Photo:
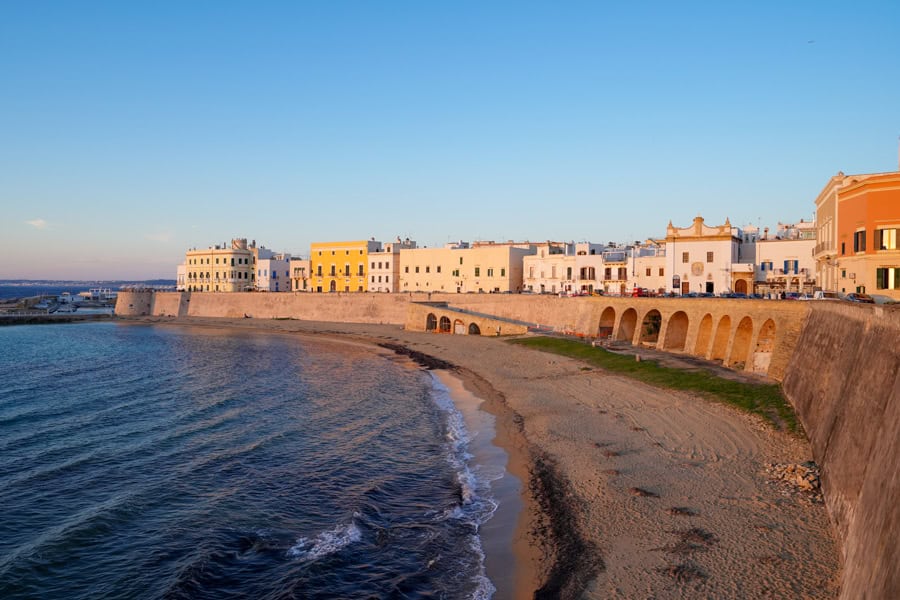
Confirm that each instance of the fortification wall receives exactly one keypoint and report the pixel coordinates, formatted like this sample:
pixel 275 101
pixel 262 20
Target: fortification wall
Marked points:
pixel 346 308
pixel 844 381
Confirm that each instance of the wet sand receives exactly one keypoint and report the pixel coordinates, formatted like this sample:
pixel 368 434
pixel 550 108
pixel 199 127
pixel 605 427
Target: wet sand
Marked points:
pixel 632 491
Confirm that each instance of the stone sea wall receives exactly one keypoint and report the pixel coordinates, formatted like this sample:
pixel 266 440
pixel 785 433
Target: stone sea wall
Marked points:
pixel 844 381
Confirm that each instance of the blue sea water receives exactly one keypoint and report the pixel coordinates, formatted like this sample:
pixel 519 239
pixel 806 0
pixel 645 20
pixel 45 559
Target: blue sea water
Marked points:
pixel 143 461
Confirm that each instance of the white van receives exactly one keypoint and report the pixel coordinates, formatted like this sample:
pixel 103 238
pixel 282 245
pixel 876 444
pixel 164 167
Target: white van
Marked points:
pixel 822 295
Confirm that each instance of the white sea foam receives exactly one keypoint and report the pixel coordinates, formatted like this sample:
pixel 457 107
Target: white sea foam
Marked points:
pixel 326 542
pixel 477 503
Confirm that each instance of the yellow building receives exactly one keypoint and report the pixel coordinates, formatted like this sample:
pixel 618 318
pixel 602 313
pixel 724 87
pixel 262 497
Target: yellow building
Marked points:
pixel 220 268
pixel 458 269
pixel 340 266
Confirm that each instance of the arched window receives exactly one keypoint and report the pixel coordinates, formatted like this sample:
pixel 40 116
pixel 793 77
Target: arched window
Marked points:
pixel 445 325
pixel 430 322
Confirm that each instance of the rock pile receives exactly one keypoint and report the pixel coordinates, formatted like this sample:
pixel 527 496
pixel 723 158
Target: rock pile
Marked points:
pixel 799 477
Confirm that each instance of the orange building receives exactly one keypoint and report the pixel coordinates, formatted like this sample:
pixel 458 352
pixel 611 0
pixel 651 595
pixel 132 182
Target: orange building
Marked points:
pixel 864 255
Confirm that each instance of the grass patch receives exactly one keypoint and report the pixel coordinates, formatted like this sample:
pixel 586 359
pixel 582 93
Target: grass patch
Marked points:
pixel 765 400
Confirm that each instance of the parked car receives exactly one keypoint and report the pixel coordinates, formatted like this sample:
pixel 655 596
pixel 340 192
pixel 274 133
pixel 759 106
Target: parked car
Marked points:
pixel 862 298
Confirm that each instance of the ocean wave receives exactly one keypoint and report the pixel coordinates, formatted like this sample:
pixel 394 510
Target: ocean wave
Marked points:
pixel 326 542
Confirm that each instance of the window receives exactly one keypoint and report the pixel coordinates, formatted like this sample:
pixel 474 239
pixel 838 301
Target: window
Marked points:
pixel 373 278
pixel 648 271
pixel 623 273
pixel 319 270
pixel 843 248
pixel 373 265
pixel 503 272
pixel 531 272
pixel 859 241
pixel 685 257
pixel 552 272
pixel 887 278
pixel 490 272
pixel 886 239
pixel 232 261
pixel 455 272
pixel 387 278
pixel 477 271
pixel 607 273
pixel 568 273
pixel 460 260
pixel 765 265
pixel 406 269
pixel 438 268
pixel 790 266
pixel 709 257
pixel 428 269
pixel 662 272
pixel 417 269
pixel 359 270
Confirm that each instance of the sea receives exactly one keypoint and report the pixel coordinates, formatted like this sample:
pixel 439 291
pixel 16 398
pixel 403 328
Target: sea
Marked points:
pixel 148 461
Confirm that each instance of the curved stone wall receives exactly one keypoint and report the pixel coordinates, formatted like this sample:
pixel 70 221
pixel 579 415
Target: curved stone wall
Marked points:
pixel 844 381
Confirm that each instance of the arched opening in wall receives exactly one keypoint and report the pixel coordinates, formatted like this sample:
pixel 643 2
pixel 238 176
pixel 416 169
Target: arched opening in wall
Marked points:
pixel 676 331
pixel 459 328
pixel 766 340
pixel 607 322
pixel 474 329
pixel 720 342
pixel 627 325
pixel 765 345
pixel 740 286
pixel 650 327
pixel 740 349
pixel 333 286
pixel 430 322
pixel 703 335
pixel 445 325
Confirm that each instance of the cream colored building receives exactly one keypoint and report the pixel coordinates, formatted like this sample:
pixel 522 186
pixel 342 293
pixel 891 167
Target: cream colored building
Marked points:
pixel 384 266
pixel 299 274
pixel 221 268
pixel 648 267
pixel 458 268
pixel 340 266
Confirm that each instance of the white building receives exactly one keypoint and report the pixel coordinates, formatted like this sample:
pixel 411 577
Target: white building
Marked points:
pixel 551 270
pixel 181 278
pixel 384 265
pixel 785 261
pixel 701 259
pixel 273 272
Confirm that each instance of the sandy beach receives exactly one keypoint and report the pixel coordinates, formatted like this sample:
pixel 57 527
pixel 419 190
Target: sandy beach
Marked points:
pixel 631 491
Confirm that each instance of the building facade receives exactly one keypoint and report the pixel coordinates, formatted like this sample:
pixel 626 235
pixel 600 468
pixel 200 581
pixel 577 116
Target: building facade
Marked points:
pixel 868 228
pixel 273 273
pixel 458 268
pixel 221 268
pixel 784 262
pixel 700 259
pixel 384 266
pixel 340 266
pixel 299 274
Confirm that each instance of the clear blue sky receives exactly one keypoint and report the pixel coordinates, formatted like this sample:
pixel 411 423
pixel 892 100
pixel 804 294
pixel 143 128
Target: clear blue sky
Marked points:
pixel 131 131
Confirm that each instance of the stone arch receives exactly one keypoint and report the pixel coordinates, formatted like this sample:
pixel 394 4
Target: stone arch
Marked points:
pixel 459 328
pixel 740 348
pixel 720 342
pixel 650 327
pixel 740 286
pixel 607 322
pixel 765 345
pixel 474 329
pixel 430 322
pixel 676 331
pixel 445 325
pixel 704 334
pixel 627 325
